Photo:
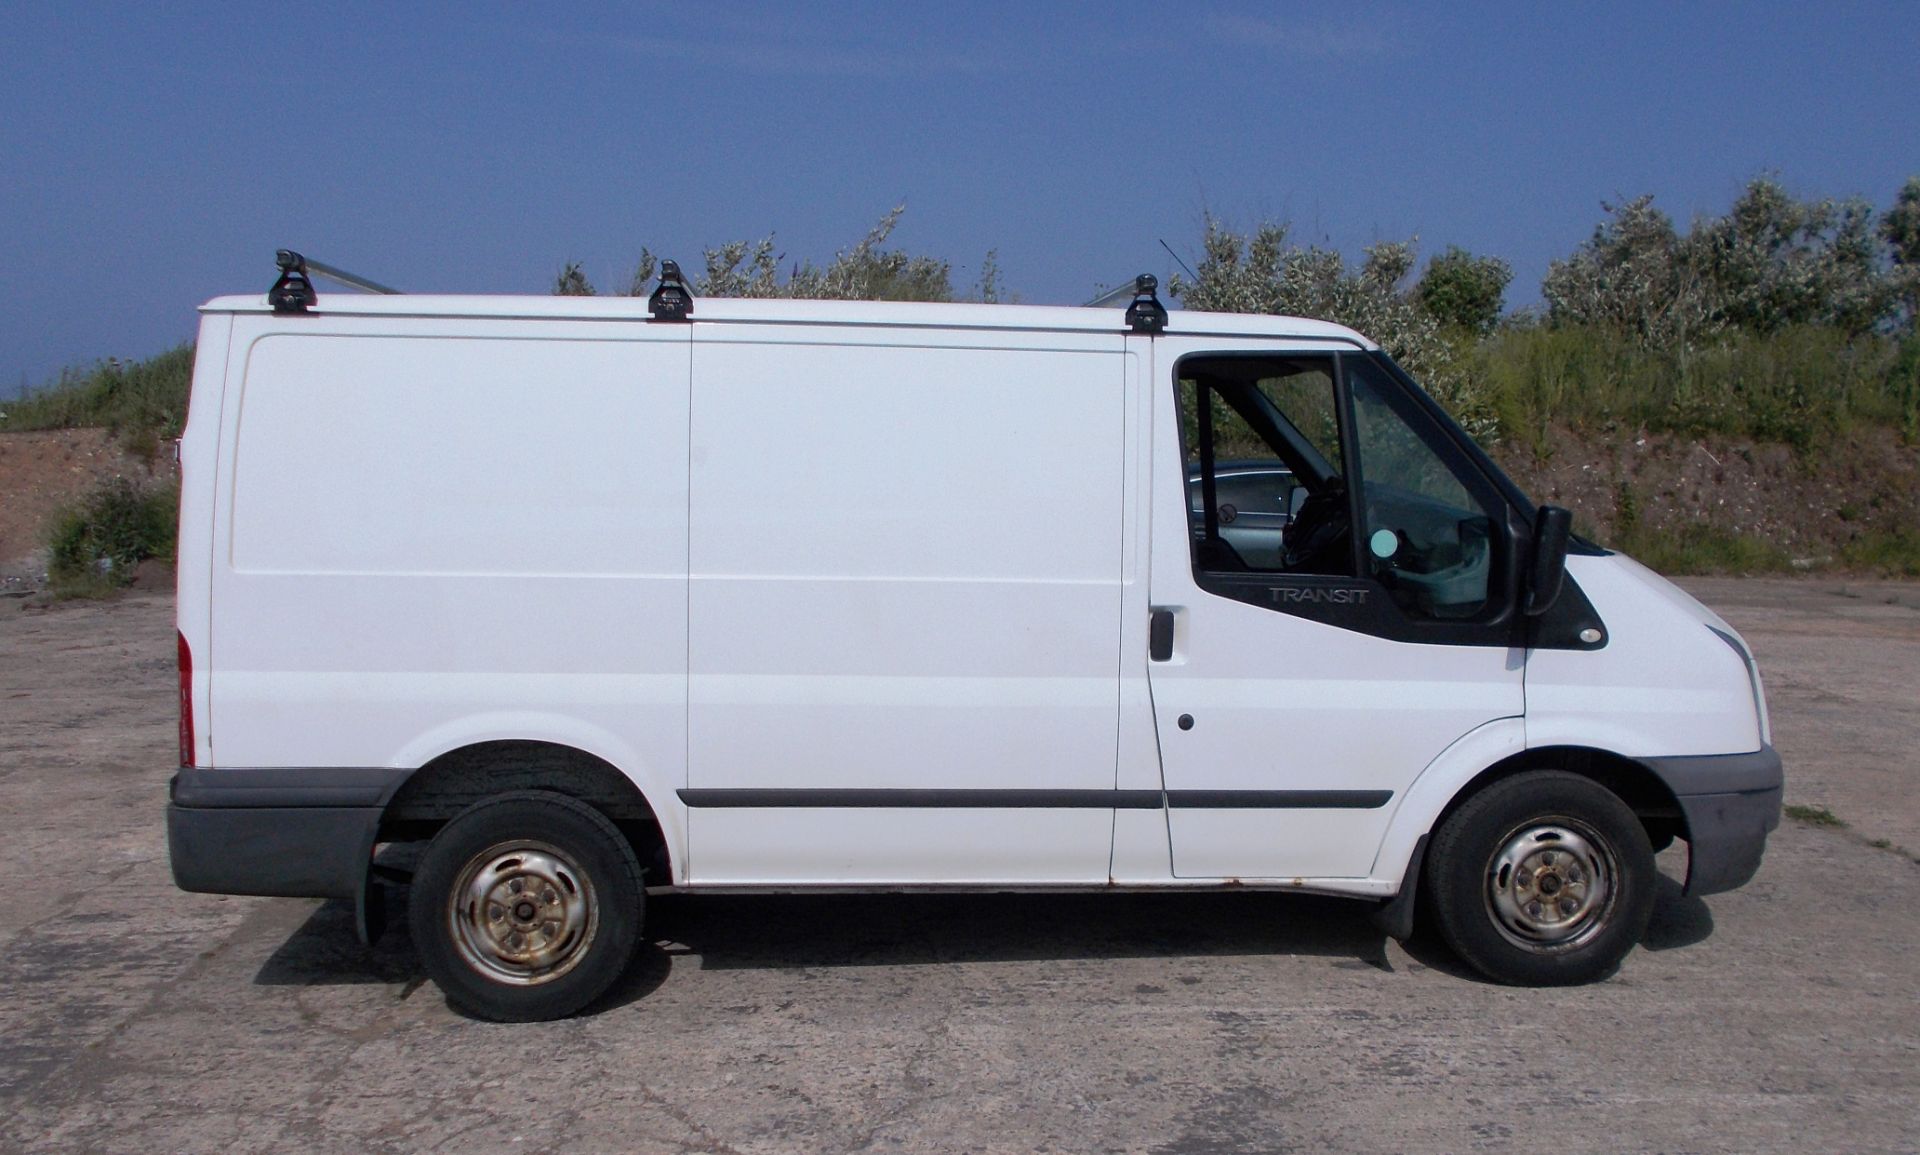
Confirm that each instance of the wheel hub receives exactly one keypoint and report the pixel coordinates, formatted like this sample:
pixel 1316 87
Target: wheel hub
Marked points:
pixel 522 913
pixel 1550 885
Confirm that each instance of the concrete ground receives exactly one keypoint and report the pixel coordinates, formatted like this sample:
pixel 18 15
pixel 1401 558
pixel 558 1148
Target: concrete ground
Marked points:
pixel 1782 1017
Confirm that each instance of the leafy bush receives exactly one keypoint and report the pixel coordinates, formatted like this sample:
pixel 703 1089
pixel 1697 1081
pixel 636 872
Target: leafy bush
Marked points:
pixel 1772 262
pixel 95 545
pixel 1463 291
pixel 1900 229
pixel 1635 275
pixel 866 272
pixel 572 282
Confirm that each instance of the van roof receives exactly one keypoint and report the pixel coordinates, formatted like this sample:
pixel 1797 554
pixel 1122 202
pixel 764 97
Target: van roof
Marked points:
pixel 879 313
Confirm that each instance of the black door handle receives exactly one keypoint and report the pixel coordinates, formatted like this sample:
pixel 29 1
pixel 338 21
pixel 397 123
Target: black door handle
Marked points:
pixel 1160 635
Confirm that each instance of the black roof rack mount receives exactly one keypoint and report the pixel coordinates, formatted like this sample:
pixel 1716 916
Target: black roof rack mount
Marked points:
pixel 293 292
pixel 1146 314
pixel 671 299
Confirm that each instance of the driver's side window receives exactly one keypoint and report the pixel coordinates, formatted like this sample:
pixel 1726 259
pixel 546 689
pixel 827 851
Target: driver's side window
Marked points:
pixel 1266 488
pixel 1278 488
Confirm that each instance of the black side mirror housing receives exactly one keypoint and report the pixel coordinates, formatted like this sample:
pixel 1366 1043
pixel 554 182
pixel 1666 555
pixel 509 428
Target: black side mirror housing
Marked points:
pixel 1547 568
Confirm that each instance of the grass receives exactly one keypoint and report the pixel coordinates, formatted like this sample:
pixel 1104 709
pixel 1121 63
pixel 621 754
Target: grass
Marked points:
pixel 1797 386
pixel 1701 549
pixel 1814 816
pixel 1894 553
pixel 142 402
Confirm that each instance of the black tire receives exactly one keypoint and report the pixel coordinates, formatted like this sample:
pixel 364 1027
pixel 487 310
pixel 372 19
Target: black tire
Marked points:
pixel 526 907
pixel 1542 879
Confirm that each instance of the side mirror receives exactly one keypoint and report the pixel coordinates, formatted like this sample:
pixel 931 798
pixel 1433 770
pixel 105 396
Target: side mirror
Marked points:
pixel 1547 568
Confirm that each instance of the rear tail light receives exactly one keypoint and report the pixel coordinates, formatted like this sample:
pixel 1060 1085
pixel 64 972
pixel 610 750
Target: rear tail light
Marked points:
pixel 186 701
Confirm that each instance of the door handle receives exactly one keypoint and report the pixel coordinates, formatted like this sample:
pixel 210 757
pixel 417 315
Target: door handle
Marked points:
pixel 1160 635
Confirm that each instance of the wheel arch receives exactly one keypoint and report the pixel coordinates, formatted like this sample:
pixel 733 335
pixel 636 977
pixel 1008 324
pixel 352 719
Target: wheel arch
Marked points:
pixel 1497 751
pixel 452 781
pixel 1632 781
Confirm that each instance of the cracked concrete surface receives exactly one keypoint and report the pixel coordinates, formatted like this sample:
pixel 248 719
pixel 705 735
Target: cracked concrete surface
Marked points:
pixel 1782 1017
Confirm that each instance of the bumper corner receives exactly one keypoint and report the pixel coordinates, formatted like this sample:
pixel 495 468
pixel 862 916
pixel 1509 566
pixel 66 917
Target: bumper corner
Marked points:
pixel 1730 803
pixel 278 833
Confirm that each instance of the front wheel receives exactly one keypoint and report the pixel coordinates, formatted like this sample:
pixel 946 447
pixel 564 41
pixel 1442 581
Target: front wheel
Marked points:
pixel 526 906
pixel 1542 879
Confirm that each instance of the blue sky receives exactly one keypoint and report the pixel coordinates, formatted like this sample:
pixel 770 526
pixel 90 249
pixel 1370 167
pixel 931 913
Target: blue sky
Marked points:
pixel 156 155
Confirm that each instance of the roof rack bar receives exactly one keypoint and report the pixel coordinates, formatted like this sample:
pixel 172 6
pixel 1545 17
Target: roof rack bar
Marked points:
pixel 289 261
pixel 293 292
pixel 1112 296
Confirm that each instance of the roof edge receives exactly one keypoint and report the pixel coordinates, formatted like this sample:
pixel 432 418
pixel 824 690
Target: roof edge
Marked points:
pixel 790 311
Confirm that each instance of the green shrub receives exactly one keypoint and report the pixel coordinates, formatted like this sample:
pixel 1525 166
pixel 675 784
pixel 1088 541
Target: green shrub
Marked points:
pixel 866 272
pixel 95 545
pixel 1772 262
pixel 1465 292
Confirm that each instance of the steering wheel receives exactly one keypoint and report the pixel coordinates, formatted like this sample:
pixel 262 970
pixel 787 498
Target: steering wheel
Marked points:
pixel 1319 529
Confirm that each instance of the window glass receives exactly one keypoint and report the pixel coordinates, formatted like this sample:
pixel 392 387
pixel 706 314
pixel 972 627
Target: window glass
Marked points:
pixel 1306 398
pixel 1429 540
pixel 1268 439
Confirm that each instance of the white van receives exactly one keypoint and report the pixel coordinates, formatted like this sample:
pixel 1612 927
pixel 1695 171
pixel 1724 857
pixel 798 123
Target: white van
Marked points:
pixel 602 597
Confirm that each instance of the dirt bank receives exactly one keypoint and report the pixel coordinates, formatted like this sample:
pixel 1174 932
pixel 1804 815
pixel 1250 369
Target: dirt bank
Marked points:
pixel 1809 504
pixel 42 471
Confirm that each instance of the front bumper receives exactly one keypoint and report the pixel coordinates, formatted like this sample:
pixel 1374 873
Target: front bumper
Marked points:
pixel 293 833
pixel 1730 802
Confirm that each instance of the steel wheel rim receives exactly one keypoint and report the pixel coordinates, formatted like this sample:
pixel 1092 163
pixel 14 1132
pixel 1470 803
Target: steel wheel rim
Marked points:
pixel 522 913
pixel 1551 885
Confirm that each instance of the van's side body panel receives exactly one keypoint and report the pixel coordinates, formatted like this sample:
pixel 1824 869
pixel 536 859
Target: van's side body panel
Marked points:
pixel 435 532
pixel 906 576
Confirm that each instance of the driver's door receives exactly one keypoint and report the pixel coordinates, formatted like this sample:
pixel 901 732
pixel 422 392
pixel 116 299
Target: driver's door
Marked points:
pixel 1304 690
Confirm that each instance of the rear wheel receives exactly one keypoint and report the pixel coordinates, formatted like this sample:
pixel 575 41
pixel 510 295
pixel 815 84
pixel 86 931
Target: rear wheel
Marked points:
pixel 526 906
pixel 1542 879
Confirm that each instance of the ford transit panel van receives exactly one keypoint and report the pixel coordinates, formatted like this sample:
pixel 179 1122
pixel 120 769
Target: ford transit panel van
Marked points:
pixel 599 597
